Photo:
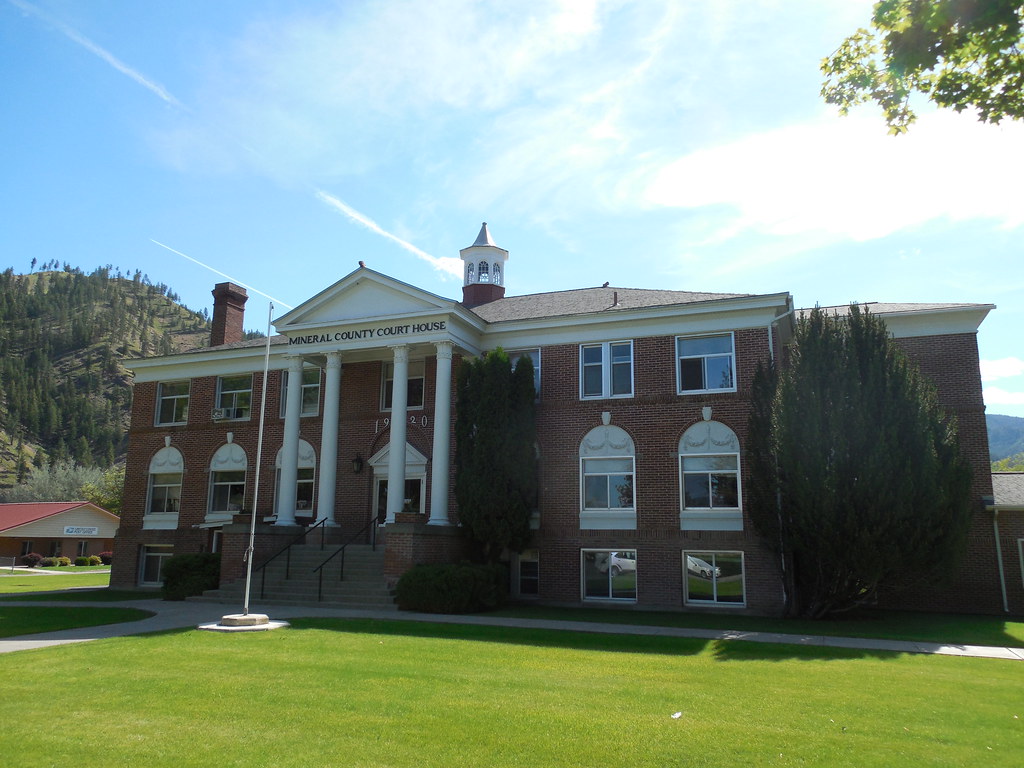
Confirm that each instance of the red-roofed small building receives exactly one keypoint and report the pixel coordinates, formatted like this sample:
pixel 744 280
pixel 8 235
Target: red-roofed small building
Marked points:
pixel 51 528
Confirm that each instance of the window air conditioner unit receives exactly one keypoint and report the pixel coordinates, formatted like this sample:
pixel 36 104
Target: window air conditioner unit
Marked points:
pixel 219 414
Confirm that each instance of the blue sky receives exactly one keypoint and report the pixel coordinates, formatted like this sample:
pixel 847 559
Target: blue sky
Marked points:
pixel 649 144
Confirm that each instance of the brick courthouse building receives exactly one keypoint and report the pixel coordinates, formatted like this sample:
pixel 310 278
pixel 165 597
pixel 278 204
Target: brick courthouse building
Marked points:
pixel 643 400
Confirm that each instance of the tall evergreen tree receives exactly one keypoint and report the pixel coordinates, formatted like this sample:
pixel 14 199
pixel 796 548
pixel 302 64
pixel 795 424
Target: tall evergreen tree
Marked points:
pixel 856 476
pixel 495 469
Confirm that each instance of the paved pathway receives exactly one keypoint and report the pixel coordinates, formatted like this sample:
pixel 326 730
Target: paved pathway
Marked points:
pixel 178 615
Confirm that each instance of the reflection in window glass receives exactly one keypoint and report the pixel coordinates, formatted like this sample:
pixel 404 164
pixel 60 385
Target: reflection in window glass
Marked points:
pixel 711 482
pixel 228 492
pixel 529 572
pixel 705 363
pixel 609 575
pixel 714 577
pixel 414 396
pixel 165 492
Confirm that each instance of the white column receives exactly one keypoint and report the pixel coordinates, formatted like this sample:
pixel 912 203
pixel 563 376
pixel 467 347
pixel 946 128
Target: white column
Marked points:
pixel 290 449
pixel 442 435
pixel 329 441
pixel 399 414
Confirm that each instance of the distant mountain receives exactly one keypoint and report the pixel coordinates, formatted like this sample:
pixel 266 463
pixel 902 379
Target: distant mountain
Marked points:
pixel 1005 435
pixel 65 392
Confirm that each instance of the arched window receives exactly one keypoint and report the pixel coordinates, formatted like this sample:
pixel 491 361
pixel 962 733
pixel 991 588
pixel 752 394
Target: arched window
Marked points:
pixel 709 478
pixel 497 274
pixel 165 472
pixel 469 272
pixel 607 487
pixel 304 483
pixel 227 483
pixel 482 271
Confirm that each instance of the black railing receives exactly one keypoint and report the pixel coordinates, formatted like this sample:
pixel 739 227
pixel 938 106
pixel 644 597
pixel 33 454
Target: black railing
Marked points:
pixel 287 552
pixel 319 570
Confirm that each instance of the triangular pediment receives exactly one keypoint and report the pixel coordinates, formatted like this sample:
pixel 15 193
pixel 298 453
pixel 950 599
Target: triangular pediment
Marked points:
pixel 363 295
pixel 413 458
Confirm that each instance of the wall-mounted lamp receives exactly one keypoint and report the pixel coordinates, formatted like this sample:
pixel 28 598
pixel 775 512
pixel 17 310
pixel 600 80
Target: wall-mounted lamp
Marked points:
pixel 357 464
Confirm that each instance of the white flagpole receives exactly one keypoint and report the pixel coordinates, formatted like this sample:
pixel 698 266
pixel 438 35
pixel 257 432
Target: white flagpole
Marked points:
pixel 259 457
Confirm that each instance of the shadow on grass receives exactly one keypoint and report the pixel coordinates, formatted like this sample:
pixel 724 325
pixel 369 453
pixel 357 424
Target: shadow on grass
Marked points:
pixel 18 620
pixel 97 595
pixel 723 650
pixel 866 623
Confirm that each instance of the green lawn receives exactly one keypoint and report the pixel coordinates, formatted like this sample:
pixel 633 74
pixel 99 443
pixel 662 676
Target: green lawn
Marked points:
pixel 364 693
pixel 28 619
pixel 22 581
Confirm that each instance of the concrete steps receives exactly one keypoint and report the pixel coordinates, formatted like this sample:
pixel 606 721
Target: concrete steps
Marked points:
pixel 295 583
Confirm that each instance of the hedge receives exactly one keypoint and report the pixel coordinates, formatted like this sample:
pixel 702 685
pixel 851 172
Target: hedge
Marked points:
pixel 189 575
pixel 451 588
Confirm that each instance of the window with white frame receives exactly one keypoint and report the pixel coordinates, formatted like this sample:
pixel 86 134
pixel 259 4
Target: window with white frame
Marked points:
pixel 414 391
pixel 607 472
pixel 234 396
pixel 151 564
pixel 483 277
pixel 534 354
pixel 304 482
pixel 227 483
pixel 608 574
pixel 709 478
pixel 706 364
pixel 310 401
pixel 606 370
pixel 166 470
pixel 714 578
pixel 172 403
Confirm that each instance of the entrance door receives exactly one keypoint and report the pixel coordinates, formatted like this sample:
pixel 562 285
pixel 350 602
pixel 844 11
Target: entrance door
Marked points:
pixel 413 500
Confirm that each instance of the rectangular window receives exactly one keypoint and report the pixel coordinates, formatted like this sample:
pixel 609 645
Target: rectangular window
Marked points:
pixel 55 548
pixel 172 402
pixel 164 492
pixel 26 547
pixel 414 390
pixel 152 565
pixel 609 575
pixel 412 501
pixel 310 392
pixel 529 573
pixel 303 490
pixel 234 396
pixel 606 370
pixel 706 363
pixel 710 482
pixel 608 483
pixel 227 491
pixel 534 355
pixel 83 548
pixel 714 578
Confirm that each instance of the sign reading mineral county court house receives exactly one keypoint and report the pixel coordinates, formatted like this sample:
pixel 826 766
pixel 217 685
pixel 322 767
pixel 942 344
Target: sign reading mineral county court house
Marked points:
pixel 369 333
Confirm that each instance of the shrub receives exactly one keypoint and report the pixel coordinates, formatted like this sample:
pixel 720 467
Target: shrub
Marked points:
pixel 63 562
pixel 451 588
pixel 48 562
pixel 82 561
pixel 95 560
pixel 32 559
pixel 188 575
pixel 106 557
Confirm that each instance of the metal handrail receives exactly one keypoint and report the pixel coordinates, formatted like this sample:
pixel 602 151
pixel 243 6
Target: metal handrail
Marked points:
pixel 372 523
pixel 322 525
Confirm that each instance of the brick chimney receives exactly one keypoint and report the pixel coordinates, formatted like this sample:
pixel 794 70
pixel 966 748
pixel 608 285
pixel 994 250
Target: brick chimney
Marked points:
pixel 228 313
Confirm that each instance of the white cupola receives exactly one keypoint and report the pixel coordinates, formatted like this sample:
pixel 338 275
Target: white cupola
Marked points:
pixel 483 270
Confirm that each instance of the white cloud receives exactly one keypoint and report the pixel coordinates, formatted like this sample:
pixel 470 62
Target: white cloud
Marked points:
pixel 997 396
pixel 1004 368
pixel 848 178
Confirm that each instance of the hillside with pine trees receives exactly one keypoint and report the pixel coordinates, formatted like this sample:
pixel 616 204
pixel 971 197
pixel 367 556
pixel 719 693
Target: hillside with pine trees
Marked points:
pixel 65 336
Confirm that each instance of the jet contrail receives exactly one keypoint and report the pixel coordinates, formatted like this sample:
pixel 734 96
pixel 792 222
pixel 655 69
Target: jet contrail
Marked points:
pixel 450 265
pixel 222 274
pixel 108 57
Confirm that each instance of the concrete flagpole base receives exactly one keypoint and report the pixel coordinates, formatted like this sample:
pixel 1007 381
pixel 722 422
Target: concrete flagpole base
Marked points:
pixel 244 622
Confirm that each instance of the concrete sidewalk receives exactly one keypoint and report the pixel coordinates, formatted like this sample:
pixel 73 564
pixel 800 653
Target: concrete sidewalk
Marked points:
pixel 178 615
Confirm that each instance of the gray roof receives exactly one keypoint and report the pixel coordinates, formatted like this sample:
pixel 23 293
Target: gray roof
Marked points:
pixel 890 308
pixel 583 301
pixel 1008 488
